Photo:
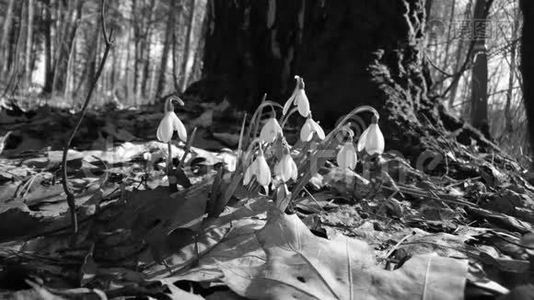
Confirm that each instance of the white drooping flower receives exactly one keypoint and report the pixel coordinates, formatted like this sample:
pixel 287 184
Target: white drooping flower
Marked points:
pixel 346 157
pixel 147 156
pixel 309 128
pixel 270 131
pixel 286 168
pixel 260 170
pixel 372 139
pixel 249 173
pixel 298 98
pixel 171 123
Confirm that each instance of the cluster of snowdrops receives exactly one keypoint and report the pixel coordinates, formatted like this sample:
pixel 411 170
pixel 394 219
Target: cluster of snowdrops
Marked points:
pixel 255 166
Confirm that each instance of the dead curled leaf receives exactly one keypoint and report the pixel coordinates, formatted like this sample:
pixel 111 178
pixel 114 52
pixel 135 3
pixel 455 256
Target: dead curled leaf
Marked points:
pixel 303 266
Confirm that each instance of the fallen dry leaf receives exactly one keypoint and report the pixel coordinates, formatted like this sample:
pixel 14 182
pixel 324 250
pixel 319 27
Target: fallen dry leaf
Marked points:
pixel 302 266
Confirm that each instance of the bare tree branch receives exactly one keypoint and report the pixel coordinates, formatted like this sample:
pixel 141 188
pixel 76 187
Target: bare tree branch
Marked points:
pixel 70 196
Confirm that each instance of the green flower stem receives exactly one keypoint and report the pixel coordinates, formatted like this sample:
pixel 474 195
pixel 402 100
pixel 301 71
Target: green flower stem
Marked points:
pixel 355 111
pixel 328 143
pixel 255 120
pixel 258 113
pixel 286 117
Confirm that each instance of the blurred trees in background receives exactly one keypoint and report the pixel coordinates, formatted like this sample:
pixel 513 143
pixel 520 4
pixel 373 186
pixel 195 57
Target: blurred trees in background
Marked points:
pixel 49 49
pixel 462 54
pixel 460 30
pixel 527 64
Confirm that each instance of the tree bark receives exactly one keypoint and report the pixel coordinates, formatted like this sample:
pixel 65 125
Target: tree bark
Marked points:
pixel 174 52
pixel 160 89
pixel 6 28
pixel 527 65
pixel 459 54
pixel 48 57
pixel 147 46
pixel 479 75
pixel 29 45
pixel 332 44
pixel 187 60
pixel 512 66
pixel 15 60
pixel 137 49
pixel 91 60
pixel 64 45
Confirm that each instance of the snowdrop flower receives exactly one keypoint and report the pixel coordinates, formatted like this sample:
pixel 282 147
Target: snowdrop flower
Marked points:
pixel 171 123
pixel 372 139
pixel 299 99
pixel 286 168
pixel 309 128
pixel 259 169
pixel 346 157
pixel 147 156
pixel 270 131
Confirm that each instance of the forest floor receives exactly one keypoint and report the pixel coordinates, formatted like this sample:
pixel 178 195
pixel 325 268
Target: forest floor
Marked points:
pixel 429 235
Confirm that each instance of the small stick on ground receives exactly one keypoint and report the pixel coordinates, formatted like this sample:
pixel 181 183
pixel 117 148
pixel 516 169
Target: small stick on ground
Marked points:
pixel 70 196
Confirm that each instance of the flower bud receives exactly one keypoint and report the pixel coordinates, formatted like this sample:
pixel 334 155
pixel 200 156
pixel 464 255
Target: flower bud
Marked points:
pixel 372 139
pixel 286 168
pixel 147 156
pixel 169 124
pixel 260 170
pixel 298 98
pixel 346 157
pixel 309 128
pixel 270 131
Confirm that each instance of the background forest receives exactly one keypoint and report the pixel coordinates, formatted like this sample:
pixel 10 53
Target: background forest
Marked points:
pixel 324 149
pixel 49 50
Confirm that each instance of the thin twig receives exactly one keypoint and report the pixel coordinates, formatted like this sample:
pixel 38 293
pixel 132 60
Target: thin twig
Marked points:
pixel 70 196
pixel 398 244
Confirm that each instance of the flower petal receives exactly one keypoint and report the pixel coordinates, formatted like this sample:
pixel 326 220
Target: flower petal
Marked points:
pixel 306 132
pixel 318 129
pixel 263 175
pixel 179 127
pixel 286 168
pixel 278 169
pixel 362 140
pixel 294 170
pixel 289 102
pixel 302 102
pixel 270 131
pixel 249 173
pixel 375 140
pixel 346 157
pixel 165 128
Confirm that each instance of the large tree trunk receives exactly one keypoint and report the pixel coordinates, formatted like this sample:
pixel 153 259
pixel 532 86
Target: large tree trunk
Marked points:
pixel 460 53
pixel 137 49
pixel 187 59
pixel 512 74
pixel 16 56
pixel 349 52
pixel 6 28
pixel 91 63
pixel 165 53
pixel 48 57
pixel 527 65
pixel 479 74
pixel 70 22
pixel 29 46
pixel 147 47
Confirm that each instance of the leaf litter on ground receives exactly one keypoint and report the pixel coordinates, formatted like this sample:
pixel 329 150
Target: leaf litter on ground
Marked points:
pixel 440 236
